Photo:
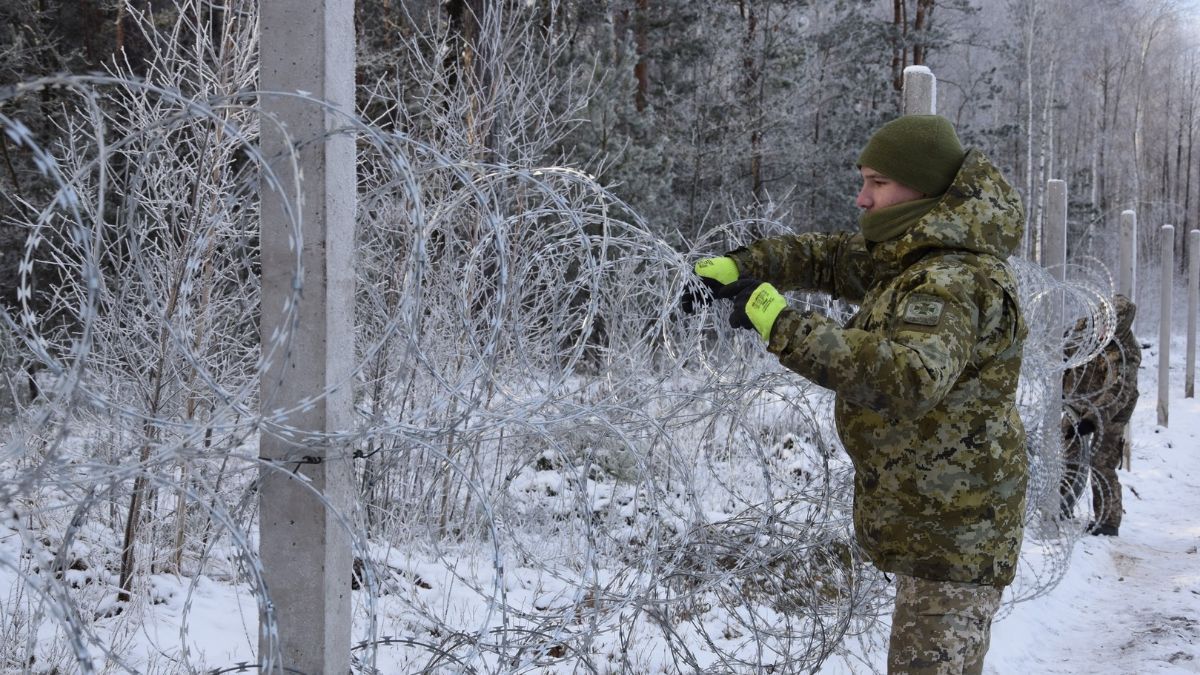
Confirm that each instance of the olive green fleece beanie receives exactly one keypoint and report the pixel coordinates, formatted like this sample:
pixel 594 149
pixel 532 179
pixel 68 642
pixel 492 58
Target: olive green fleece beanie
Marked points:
pixel 920 151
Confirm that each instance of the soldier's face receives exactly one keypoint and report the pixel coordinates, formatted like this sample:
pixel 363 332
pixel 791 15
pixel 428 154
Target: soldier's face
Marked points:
pixel 878 191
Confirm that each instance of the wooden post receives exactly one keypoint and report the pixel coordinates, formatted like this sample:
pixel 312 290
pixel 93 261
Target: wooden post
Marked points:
pixel 306 45
pixel 1054 258
pixel 1164 324
pixel 920 91
pixel 1193 300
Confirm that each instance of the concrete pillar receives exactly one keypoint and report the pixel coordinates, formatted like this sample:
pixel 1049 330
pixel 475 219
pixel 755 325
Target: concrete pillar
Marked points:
pixel 1054 235
pixel 920 91
pixel 1193 300
pixel 1189 378
pixel 1054 258
pixel 1127 266
pixel 1127 286
pixel 307 45
pixel 1164 326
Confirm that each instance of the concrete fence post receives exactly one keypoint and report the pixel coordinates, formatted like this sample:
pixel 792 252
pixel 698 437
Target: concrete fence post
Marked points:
pixel 307 45
pixel 920 91
pixel 1054 235
pixel 1164 324
pixel 1054 258
pixel 1193 300
pixel 1127 267
pixel 1127 286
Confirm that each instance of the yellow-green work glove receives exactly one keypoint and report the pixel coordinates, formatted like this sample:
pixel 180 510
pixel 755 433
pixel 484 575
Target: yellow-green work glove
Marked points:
pixel 723 270
pixel 715 273
pixel 756 305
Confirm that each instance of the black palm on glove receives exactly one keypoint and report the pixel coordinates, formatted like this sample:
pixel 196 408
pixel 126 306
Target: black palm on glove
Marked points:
pixel 694 299
pixel 714 273
pixel 739 292
pixel 756 305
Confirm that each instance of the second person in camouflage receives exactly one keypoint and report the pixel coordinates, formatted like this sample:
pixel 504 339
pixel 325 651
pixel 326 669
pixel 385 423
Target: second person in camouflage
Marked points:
pixel 1100 396
pixel 925 375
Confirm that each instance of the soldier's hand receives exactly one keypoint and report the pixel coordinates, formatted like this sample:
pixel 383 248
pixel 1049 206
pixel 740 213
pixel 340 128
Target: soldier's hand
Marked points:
pixel 756 305
pixel 714 273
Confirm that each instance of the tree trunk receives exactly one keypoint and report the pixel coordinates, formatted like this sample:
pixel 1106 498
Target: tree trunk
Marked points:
pixel 1191 136
pixel 921 26
pixel 1164 179
pixel 470 62
pixel 899 43
pixel 132 525
pixel 1100 191
pixel 753 83
pixel 1033 248
pixel 641 69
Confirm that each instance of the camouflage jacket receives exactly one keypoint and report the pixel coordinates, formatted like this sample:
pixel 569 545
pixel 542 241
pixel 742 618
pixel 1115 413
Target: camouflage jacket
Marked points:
pixel 1106 386
pixel 925 375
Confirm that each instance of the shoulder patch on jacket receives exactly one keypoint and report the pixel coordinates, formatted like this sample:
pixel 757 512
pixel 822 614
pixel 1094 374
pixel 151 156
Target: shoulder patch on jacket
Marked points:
pixel 923 310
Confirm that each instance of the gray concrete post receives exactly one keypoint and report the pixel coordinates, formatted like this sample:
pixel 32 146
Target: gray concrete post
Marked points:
pixel 1127 267
pixel 1054 235
pixel 1167 260
pixel 1127 286
pixel 1054 258
pixel 1193 300
pixel 307 45
pixel 920 91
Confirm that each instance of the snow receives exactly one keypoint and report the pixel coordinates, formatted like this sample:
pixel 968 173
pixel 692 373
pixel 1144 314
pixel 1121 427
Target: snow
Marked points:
pixel 1129 604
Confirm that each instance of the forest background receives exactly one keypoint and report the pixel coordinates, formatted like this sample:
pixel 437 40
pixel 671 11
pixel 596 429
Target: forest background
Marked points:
pixel 698 113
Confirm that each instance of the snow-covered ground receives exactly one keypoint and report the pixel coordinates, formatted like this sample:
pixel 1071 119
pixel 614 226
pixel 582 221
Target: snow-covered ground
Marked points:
pixel 1129 604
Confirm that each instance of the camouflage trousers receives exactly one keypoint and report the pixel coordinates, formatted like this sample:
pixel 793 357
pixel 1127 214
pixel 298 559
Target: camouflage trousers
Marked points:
pixel 940 627
pixel 1106 452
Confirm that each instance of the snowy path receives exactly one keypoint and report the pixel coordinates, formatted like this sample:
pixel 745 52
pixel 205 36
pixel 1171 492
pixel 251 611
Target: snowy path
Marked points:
pixel 1129 604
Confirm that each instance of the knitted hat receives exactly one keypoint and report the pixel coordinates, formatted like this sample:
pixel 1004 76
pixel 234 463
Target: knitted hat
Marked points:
pixel 919 151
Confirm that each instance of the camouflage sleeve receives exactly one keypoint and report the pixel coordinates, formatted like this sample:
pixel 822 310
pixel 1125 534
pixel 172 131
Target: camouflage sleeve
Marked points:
pixel 901 370
pixel 1124 357
pixel 1131 360
pixel 1131 351
pixel 837 264
pixel 1078 390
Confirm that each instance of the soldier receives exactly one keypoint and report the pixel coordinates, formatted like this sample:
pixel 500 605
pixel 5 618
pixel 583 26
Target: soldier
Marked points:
pixel 925 375
pixel 1100 396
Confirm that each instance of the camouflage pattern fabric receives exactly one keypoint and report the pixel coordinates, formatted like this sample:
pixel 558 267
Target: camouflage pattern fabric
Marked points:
pixel 1106 453
pixel 1106 487
pixel 1077 461
pixel 1103 391
pixel 925 375
pixel 1105 388
pixel 940 627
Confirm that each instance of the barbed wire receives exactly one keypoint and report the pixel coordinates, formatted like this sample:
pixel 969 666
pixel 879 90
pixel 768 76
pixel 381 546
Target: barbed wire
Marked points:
pixel 556 469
